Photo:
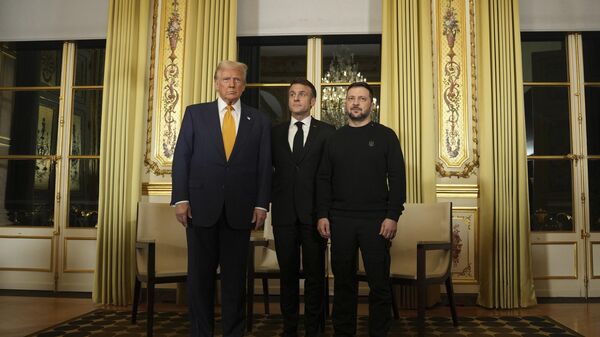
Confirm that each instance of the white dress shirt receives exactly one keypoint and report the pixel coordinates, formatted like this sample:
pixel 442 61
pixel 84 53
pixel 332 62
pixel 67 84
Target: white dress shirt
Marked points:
pixel 236 112
pixel 293 129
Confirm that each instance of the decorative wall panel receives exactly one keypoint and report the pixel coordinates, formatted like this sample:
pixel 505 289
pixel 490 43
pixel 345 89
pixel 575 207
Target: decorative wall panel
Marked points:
pixel 464 236
pixel 454 36
pixel 166 79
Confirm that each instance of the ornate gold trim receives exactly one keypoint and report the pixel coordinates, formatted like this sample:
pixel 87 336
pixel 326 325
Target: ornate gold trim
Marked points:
pixel 156 189
pixel 167 113
pixel 73 238
pixel 32 237
pixel 450 191
pixel 466 163
pixel 575 259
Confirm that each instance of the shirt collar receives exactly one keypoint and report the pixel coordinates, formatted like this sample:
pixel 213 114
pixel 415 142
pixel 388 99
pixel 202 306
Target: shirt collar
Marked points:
pixel 237 106
pixel 306 121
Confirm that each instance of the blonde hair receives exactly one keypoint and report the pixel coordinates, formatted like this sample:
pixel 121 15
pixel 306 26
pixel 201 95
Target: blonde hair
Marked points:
pixel 227 64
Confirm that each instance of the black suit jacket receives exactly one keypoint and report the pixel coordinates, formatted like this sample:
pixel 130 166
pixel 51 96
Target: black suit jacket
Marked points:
pixel 293 195
pixel 202 175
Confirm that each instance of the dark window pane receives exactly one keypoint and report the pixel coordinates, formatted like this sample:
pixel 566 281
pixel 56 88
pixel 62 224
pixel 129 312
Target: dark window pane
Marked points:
pixel 544 57
pixel 83 188
pixel 90 63
pixel 550 197
pixel 351 62
pixel 27 192
pixel 29 121
pixel 333 105
pixel 592 120
pixel 594 188
pixel 87 116
pixel 547 120
pixel 31 64
pixel 273 59
pixel 591 56
pixel 271 100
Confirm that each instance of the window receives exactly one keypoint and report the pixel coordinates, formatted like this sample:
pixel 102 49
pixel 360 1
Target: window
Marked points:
pixel 50 113
pixel 331 63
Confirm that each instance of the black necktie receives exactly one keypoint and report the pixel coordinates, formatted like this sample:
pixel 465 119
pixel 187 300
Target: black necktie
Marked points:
pixel 298 141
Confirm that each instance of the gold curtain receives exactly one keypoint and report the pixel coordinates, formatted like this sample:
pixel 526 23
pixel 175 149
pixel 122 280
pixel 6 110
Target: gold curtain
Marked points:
pixel 123 107
pixel 407 93
pixel 505 266
pixel 211 36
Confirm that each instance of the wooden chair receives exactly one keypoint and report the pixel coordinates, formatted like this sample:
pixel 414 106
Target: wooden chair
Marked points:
pixel 421 253
pixel 161 254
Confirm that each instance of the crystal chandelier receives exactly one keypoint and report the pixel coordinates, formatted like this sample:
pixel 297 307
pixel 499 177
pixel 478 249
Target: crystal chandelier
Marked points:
pixel 342 69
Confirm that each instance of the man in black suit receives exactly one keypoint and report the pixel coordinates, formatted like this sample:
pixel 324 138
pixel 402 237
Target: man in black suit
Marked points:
pixel 296 148
pixel 222 176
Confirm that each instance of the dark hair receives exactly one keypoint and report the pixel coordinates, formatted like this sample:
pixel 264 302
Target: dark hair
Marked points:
pixel 305 82
pixel 362 85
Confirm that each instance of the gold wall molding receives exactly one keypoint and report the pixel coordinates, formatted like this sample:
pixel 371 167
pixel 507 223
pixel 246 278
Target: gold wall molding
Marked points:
pixel 66 251
pixel 456 94
pixel 450 191
pixel 575 259
pixel 156 189
pixel 165 110
pixel 51 262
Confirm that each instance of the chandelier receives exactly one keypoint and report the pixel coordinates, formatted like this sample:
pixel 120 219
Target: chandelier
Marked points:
pixel 342 70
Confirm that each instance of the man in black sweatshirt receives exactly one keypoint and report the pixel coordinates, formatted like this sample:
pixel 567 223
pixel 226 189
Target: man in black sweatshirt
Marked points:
pixel 361 190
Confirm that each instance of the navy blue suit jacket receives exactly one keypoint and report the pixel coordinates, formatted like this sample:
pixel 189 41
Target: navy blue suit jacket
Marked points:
pixel 202 175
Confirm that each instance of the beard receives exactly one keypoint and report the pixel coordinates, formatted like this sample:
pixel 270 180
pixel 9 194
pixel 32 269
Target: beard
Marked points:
pixel 358 117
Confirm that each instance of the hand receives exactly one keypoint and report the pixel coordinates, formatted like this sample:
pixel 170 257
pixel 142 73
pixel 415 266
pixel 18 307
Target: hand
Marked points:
pixel 323 228
pixel 258 218
pixel 183 211
pixel 388 228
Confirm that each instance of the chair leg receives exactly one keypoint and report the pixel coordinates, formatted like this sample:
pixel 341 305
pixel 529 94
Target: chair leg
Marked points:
pixel 265 284
pixel 421 303
pixel 394 303
pixel 450 293
pixel 150 309
pixel 136 300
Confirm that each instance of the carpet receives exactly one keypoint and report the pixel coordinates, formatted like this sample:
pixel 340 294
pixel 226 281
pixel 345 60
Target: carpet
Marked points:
pixel 117 323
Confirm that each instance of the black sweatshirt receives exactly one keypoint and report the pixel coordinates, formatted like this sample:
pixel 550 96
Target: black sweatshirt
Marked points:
pixel 362 174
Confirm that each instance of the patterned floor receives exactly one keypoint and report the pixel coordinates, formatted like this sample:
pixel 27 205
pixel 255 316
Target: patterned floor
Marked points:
pixel 116 323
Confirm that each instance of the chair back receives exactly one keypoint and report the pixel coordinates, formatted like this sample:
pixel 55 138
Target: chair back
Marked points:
pixel 422 222
pixel 265 259
pixel 157 222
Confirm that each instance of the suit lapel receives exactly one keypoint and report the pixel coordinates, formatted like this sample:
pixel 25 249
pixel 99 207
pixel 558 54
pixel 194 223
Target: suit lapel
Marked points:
pixel 312 135
pixel 246 121
pixel 214 126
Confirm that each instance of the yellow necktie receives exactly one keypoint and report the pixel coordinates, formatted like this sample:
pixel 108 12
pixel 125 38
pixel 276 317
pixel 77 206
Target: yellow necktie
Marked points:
pixel 228 131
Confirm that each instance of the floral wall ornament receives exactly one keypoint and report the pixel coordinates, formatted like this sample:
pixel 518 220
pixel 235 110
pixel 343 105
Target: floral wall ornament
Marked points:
pixel 455 89
pixel 165 110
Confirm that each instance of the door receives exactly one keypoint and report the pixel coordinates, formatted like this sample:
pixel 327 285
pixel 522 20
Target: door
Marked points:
pixel 50 109
pixel 562 163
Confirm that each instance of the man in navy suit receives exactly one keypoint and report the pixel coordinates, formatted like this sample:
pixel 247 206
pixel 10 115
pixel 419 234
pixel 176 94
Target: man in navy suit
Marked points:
pixel 221 189
pixel 297 147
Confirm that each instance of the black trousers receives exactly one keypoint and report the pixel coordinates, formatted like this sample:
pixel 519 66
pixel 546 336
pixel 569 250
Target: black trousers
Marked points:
pixel 347 236
pixel 209 247
pixel 291 242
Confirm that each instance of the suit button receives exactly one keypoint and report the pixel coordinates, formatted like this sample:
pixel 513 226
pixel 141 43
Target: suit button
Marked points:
pixel 297 168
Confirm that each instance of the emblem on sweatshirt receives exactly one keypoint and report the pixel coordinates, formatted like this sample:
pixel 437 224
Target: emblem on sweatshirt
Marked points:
pixel 371 143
